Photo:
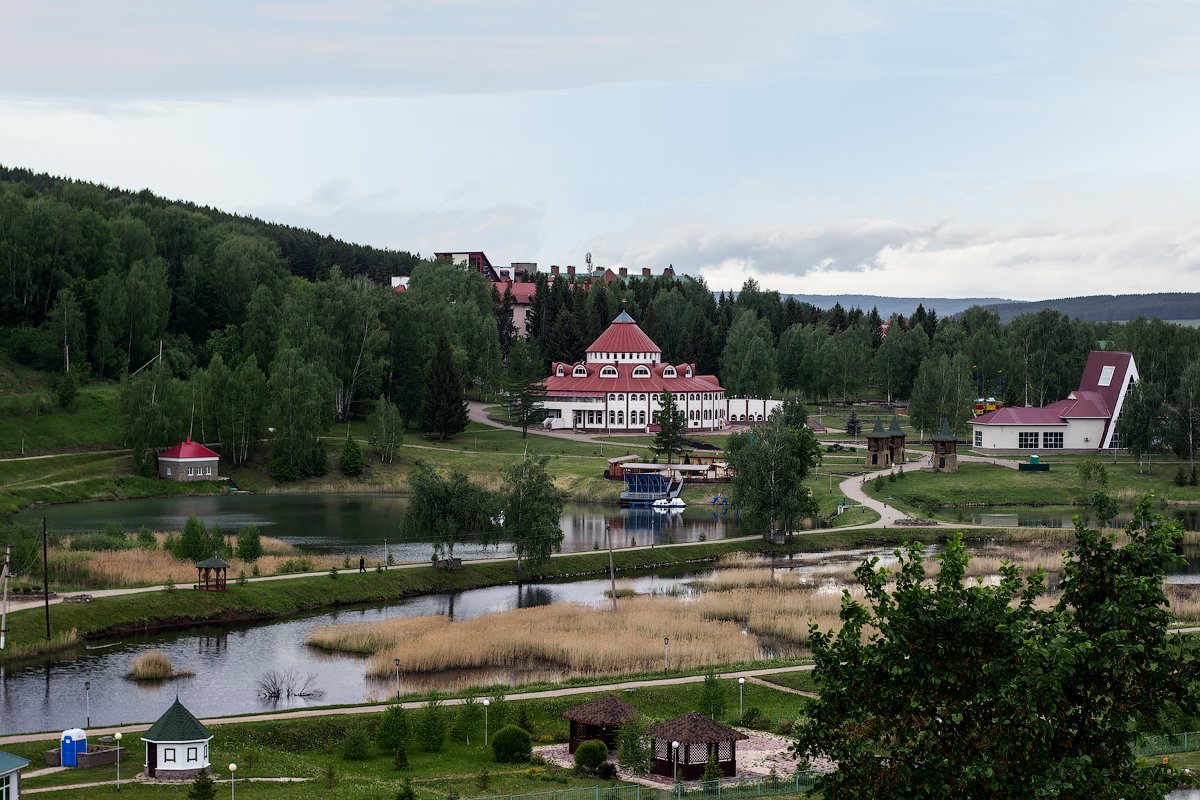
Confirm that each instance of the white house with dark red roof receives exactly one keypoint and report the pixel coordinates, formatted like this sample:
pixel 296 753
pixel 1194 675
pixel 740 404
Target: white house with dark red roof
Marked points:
pixel 188 461
pixel 1084 422
pixel 618 384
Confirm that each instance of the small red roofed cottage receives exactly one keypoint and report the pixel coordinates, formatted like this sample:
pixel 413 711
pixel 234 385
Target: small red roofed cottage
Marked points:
pixel 188 461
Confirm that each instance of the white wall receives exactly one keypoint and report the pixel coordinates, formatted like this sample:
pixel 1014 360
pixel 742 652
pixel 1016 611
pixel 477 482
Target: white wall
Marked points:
pixel 739 407
pixel 188 755
pixel 1079 434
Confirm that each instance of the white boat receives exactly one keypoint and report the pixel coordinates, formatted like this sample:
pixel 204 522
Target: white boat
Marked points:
pixel 672 502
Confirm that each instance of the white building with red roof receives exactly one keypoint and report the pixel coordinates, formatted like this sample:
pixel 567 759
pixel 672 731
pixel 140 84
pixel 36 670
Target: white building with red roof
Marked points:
pixel 188 461
pixel 1084 422
pixel 618 384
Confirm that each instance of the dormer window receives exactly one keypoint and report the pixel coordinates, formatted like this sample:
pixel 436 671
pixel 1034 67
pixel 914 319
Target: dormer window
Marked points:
pixel 689 372
pixel 608 372
pixel 580 371
pixel 560 371
pixel 641 372
pixel 669 372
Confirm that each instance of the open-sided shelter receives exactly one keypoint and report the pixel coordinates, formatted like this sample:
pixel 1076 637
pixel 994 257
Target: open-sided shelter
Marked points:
pixel 698 737
pixel 598 719
pixel 212 574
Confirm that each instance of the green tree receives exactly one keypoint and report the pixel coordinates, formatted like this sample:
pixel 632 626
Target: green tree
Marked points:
pixel 249 543
pixel 791 413
pixel 853 425
pixel 394 729
pixel 431 728
pixel 712 772
pixel 712 696
pixel 511 745
pixel 151 412
pixel 193 543
pixel 943 391
pixel 524 384
pixel 406 791
pixel 443 411
pixel 301 410
pixel 351 459
pixel 358 354
pixel 589 756
pixel 1187 413
pixel 946 688
pixel 532 509
pixel 202 787
pixel 769 465
pixel 67 390
pixel 242 410
pixel 672 425
pixel 387 429
pixel 1142 424
pixel 450 510
pixel 633 751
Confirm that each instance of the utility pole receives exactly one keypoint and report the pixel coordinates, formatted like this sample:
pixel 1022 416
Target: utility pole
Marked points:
pixel 612 573
pixel 4 603
pixel 46 577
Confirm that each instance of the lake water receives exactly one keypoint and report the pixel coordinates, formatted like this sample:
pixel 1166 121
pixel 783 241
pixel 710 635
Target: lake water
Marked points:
pixel 1049 516
pixel 360 524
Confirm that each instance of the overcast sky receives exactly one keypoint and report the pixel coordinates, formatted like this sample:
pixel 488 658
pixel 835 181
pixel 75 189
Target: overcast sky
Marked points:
pixel 996 148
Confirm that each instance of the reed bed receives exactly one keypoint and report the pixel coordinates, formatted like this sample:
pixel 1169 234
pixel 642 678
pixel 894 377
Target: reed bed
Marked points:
pixel 154 665
pixel 580 639
pixel 106 569
pixel 1185 601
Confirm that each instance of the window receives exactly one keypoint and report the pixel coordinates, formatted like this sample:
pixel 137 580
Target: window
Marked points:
pixel 641 372
pixel 189 472
pixel 206 751
pixel 612 417
pixel 689 371
pixel 1027 440
pixel 1052 441
pixel 5 788
pixel 168 472
pixel 620 417
pixel 668 372
pixel 193 754
pixel 579 372
pixel 978 438
pixel 168 755
pixel 608 372
pixel 1106 376
pixel 559 371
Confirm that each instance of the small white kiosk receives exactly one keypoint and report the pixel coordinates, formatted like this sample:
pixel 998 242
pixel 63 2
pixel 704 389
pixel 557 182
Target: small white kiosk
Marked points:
pixel 176 745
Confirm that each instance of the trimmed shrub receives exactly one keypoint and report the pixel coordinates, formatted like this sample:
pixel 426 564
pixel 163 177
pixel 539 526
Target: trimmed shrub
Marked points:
pixel 511 745
pixel 589 756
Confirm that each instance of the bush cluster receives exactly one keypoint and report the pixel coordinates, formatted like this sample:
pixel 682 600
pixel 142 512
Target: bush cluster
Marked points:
pixel 511 745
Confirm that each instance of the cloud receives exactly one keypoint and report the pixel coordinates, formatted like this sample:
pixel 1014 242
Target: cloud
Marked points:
pixel 946 260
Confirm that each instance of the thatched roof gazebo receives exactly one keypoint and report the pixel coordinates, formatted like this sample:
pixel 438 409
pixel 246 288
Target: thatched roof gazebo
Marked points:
pixel 212 574
pixel 698 737
pixel 598 719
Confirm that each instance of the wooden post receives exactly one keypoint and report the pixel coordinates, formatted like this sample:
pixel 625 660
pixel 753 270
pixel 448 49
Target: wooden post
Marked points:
pixel 46 578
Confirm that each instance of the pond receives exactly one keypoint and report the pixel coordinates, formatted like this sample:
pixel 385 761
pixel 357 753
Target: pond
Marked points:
pixel 1050 516
pixel 361 524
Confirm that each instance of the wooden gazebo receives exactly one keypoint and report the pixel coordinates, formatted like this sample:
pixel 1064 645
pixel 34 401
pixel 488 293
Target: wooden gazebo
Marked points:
pixel 698 737
pixel 598 719
pixel 211 575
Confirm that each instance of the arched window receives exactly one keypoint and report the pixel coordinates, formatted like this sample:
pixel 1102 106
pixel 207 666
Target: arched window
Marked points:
pixel 612 417
pixel 560 371
pixel 608 372
pixel 620 417
pixel 688 374
pixel 668 372
pixel 612 397
pixel 580 371
pixel 641 372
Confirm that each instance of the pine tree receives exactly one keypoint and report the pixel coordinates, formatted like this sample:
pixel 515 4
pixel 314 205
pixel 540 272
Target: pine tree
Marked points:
pixel 523 385
pixel 443 411
pixel 351 460
pixel 249 543
pixel 672 425
pixel 202 787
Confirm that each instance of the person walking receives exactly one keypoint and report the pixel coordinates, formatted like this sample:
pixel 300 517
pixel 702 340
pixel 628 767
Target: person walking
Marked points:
pixel 362 564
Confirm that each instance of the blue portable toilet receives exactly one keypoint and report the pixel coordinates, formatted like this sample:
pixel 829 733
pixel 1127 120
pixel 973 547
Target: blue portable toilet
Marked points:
pixel 72 742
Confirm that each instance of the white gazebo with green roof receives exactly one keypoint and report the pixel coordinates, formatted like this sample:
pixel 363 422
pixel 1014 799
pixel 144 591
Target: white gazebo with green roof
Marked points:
pixel 10 775
pixel 176 745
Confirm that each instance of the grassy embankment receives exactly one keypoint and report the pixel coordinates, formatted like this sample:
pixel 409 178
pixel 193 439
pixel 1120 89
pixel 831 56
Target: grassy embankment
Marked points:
pixel 265 599
pixel 307 748
pixel 978 485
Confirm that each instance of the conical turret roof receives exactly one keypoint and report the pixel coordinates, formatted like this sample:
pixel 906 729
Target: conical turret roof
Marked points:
pixel 877 432
pixel 895 429
pixel 944 433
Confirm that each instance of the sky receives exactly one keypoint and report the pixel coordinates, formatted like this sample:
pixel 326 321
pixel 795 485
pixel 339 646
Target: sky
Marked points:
pixel 1002 148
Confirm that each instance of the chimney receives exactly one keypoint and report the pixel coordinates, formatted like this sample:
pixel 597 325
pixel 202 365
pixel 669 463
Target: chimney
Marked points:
pixel 668 273
pixel 570 269
pixel 645 272
pixel 554 269
pixel 623 271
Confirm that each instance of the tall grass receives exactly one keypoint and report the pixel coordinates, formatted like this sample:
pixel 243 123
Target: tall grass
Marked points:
pixel 154 665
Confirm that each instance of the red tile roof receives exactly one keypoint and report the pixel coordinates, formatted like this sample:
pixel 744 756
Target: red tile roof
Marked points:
pixel 593 384
pixel 522 291
pixel 188 449
pixel 624 336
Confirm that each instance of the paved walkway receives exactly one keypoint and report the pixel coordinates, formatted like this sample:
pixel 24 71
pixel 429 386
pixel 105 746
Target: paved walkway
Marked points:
pixel 139 779
pixel 299 713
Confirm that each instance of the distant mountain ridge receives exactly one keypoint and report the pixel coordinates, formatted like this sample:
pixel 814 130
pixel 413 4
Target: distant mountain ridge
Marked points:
pixel 1091 308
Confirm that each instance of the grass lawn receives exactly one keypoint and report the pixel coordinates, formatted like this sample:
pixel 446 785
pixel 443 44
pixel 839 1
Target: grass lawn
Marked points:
pixel 30 415
pixel 309 747
pixel 977 484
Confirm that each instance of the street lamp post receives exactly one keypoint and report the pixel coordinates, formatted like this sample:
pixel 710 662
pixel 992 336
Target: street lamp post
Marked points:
pixel 232 780
pixel 87 695
pixel 675 762
pixel 117 736
pixel 741 683
pixel 666 642
pixel 396 662
pixel 486 703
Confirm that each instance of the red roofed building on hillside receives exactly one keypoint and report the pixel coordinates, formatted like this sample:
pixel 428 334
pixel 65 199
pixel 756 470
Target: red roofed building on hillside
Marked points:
pixel 617 386
pixel 1084 422
pixel 188 461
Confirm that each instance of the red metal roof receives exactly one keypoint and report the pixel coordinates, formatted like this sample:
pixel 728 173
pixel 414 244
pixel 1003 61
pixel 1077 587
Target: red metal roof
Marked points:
pixel 1089 401
pixel 522 291
pixel 624 336
pixel 188 449
pixel 593 384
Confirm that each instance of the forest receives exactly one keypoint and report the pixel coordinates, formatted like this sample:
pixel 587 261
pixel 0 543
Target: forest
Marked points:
pixel 264 326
